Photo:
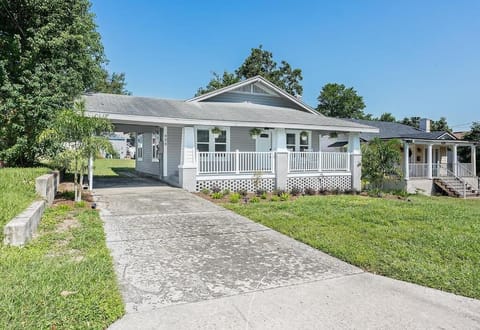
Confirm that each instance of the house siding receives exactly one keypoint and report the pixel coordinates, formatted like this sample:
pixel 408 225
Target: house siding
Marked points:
pixel 174 140
pixel 270 100
pixel 146 165
pixel 240 139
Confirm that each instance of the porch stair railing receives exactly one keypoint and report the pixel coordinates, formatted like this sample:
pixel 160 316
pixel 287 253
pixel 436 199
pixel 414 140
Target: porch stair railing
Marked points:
pixel 453 185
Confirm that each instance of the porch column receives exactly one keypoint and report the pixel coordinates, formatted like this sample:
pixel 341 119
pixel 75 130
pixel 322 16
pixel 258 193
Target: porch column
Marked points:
pixel 165 151
pixel 90 173
pixel 355 160
pixel 406 165
pixel 455 160
pixel 473 158
pixel 429 161
pixel 281 158
pixel 187 170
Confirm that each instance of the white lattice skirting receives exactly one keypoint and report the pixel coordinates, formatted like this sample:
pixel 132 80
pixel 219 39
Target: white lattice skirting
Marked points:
pixel 249 185
pixel 334 182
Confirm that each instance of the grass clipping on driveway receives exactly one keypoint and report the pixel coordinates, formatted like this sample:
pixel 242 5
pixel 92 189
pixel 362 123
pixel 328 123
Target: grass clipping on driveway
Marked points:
pixel 432 241
pixel 63 279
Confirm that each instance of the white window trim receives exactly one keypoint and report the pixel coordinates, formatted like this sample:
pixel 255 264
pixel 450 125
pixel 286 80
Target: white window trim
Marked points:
pixel 158 133
pixel 139 146
pixel 211 139
pixel 297 139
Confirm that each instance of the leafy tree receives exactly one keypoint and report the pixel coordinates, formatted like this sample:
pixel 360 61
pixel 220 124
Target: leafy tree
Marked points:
pixel 380 160
pixel 387 116
pixel 440 125
pixel 76 137
pixel 411 121
pixel 50 52
pixel 336 100
pixel 259 62
pixel 465 152
pixel 112 84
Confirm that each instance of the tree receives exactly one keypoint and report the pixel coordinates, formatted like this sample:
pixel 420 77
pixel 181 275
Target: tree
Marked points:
pixel 380 160
pixel 472 135
pixel 112 84
pixel 440 125
pixel 411 121
pixel 387 116
pixel 336 100
pixel 50 53
pixel 74 138
pixel 259 62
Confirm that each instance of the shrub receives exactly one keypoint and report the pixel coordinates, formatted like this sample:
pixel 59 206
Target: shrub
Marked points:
pixel 234 198
pixel 242 192
pixel 284 196
pixel 295 191
pixel 216 189
pixel 255 199
pixel 375 193
pixel 264 195
pixel 217 195
pixel 274 198
pixel 260 192
pixel 278 192
pixel 310 191
pixel 205 191
pixel 226 192
pixel 322 191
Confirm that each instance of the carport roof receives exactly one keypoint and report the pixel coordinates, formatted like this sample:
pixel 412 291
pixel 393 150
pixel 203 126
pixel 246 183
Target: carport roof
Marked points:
pixel 126 109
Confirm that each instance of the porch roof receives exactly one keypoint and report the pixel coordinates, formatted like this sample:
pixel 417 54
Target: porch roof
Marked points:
pixel 125 109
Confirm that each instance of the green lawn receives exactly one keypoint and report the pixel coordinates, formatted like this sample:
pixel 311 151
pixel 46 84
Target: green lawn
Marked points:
pixel 113 167
pixel 17 191
pixel 432 241
pixel 63 279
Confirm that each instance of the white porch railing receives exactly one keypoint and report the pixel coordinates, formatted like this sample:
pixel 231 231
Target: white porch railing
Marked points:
pixel 420 170
pixel 318 162
pixel 464 169
pixel 237 162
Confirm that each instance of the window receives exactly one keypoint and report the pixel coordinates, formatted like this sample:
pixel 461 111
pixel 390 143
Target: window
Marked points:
pixel 206 141
pixel 139 155
pixel 156 139
pixel 296 143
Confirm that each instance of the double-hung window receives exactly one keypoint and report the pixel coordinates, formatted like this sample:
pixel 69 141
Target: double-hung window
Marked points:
pixel 139 155
pixel 295 141
pixel 156 139
pixel 208 142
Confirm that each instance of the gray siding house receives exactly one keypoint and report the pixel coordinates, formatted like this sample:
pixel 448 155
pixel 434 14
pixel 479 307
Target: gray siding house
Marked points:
pixel 247 136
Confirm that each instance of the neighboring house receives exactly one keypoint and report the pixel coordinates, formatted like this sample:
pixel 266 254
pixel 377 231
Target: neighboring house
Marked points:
pixel 208 141
pixel 426 156
pixel 119 144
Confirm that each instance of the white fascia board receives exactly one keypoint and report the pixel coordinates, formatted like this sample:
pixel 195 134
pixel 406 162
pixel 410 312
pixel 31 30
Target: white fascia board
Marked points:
pixel 439 142
pixel 151 120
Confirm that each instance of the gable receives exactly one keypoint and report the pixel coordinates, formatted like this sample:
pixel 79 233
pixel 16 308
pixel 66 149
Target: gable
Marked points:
pixel 256 90
pixel 446 136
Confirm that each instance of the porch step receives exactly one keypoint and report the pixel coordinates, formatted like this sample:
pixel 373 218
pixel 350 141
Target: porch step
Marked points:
pixel 454 187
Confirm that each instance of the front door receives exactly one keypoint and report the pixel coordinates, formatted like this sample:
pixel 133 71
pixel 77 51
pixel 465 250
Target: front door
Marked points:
pixel 264 142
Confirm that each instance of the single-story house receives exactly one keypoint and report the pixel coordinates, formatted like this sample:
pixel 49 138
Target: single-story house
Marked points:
pixel 428 156
pixel 247 136
pixel 119 144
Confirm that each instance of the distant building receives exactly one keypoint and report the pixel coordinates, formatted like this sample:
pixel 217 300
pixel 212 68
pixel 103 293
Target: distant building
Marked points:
pixel 120 145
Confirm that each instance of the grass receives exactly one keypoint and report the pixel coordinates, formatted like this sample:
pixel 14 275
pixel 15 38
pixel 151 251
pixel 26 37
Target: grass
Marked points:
pixel 63 279
pixel 17 191
pixel 113 167
pixel 432 241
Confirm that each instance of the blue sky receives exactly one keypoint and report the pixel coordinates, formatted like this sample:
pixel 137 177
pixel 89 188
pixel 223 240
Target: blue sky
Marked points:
pixel 410 58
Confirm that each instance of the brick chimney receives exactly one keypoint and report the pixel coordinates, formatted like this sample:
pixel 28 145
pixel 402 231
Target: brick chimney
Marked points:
pixel 425 124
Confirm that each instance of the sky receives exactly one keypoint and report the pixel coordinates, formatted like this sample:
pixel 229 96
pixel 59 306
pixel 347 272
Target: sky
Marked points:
pixel 409 58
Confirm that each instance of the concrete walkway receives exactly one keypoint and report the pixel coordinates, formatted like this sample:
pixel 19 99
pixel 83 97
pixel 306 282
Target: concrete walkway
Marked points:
pixel 185 263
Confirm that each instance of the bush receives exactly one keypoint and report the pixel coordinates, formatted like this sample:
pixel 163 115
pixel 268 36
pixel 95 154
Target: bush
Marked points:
pixel 205 191
pixel 322 191
pixel 263 195
pixel 275 198
pixel 400 192
pixel 260 192
pixel 278 192
pixel 216 189
pixel 217 195
pixel 284 196
pixel 255 199
pixel 226 192
pixel 242 192
pixel 310 191
pixel 375 193
pixel 295 191
pixel 234 198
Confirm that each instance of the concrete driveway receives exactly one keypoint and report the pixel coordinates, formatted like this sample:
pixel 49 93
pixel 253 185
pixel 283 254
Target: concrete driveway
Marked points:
pixel 183 262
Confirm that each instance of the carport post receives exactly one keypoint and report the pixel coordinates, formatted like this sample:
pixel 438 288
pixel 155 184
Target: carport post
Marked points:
pixel 90 173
